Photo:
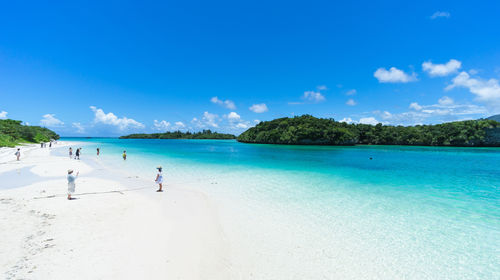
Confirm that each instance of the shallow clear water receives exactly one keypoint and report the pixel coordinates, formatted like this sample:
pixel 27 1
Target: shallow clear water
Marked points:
pixel 326 212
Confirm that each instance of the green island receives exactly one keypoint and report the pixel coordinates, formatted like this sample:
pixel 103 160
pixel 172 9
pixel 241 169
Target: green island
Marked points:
pixel 308 130
pixel 204 134
pixel 13 132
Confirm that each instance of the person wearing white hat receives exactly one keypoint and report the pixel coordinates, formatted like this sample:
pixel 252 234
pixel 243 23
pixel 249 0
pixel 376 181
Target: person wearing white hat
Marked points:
pixel 159 179
pixel 71 183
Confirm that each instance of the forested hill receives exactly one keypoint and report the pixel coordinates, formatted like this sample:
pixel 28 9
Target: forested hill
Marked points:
pixel 12 132
pixel 308 130
pixel 205 134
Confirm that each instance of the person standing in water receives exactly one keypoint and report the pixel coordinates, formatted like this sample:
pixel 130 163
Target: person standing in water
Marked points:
pixel 159 179
pixel 77 154
pixel 70 152
pixel 18 153
pixel 124 155
pixel 98 151
pixel 71 182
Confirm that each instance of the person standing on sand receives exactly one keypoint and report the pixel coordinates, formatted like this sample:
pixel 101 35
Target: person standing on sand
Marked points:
pixel 98 151
pixel 159 179
pixel 70 152
pixel 124 155
pixel 18 153
pixel 71 182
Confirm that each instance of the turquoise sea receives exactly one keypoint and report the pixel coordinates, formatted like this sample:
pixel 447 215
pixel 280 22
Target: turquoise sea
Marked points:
pixel 305 212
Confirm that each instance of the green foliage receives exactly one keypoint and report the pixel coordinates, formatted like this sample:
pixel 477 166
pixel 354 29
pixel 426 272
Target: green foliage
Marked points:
pixel 308 130
pixel 12 132
pixel 304 130
pixel 205 134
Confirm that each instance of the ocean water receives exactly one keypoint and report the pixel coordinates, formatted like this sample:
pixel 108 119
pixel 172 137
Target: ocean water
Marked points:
pixel 369 212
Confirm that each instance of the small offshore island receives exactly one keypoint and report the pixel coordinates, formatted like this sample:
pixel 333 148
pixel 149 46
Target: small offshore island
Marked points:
pixel 204 134
pixel 308 130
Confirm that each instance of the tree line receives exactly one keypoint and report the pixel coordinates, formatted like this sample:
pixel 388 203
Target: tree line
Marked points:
pixel 13 132
pixel 204 134
pixel 308 130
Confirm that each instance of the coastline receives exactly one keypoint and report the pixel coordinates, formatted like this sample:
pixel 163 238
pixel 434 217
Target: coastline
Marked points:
pixel 117 227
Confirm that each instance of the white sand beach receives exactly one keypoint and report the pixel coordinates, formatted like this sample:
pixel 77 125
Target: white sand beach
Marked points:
pixel 116 228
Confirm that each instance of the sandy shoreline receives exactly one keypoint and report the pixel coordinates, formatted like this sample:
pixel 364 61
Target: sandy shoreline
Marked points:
pixel 117 228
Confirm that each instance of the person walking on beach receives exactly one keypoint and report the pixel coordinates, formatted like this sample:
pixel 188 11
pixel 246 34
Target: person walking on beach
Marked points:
pixel 159 179
pixel 18 153
pixel 70 152
pixel 77 154
pixel 98 151
pixel 71 182
pixel 124 155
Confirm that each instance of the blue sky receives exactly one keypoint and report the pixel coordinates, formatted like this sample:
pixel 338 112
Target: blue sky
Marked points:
pixel 106 69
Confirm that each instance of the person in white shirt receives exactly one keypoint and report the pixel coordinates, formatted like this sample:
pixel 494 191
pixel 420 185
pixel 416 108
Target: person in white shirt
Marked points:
pixel 159 179
pixel 71 183
pixel 18 153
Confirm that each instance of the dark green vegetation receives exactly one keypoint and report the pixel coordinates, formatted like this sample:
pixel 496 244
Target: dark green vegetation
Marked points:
pixel 13 132
pixel 205 134
pixel 308 130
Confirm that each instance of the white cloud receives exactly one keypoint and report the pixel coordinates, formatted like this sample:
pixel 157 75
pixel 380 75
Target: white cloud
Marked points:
pixel 386 115
pixel 161 125
pixel 242 125
pixel 227 103
pixel 445 100
pixel 112 119
pixel 313 96
pixel 347 120
pixel 351 102
pixel 256 121
pixel 445 110
pixel 415 106
pixel 393 75
pixel 439 14
pixel 351 92
pixel 487 91
pixel 435 70
pixel 322 87
pixel 3 115
pixel 179 125
pixel 369 120
pixel 235 121
pixel 233 116
pixel 79 127
pixel 210 119
pixel 50 120
pixel 258 108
